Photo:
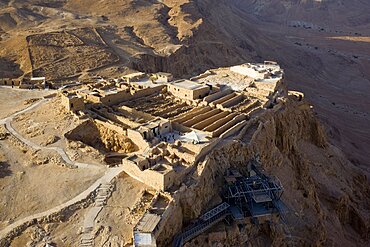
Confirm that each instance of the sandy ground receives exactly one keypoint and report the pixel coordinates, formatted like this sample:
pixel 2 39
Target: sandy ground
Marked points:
pixel 27 188
pixel 14 99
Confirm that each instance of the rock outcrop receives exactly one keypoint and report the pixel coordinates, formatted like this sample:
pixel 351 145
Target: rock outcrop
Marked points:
pixel 326 194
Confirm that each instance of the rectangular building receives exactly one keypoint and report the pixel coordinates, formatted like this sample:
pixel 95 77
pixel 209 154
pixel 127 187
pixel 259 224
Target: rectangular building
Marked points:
pixel 188 90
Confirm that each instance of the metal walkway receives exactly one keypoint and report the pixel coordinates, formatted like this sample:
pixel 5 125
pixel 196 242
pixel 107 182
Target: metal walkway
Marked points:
pixel 206 221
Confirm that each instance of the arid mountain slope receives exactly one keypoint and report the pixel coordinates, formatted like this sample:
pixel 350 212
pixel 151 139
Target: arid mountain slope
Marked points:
pixel 324 47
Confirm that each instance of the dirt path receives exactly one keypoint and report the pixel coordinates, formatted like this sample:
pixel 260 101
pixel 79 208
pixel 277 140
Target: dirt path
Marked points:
pixel 106 178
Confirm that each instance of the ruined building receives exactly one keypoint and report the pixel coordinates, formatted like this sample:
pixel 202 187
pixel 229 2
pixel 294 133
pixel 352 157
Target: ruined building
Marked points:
pixel 176 125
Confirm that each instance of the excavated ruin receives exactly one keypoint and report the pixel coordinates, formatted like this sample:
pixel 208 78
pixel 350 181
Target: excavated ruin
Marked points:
pixel 101 137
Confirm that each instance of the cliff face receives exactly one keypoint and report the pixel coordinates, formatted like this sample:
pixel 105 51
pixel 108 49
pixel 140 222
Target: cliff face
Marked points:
pixel 189 60
pixel 327 196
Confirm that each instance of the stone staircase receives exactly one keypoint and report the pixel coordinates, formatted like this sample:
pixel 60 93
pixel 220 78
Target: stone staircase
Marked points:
pixel 103 192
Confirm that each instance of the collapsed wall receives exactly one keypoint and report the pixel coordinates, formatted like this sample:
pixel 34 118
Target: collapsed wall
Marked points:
pixel 103 137
pixel 292 146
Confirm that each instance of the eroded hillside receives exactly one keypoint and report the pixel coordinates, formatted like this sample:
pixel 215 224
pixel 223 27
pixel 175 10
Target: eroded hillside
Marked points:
pixel 322 45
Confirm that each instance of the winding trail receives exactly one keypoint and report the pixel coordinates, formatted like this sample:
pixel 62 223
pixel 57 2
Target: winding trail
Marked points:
pixel 8 125
pixel 11 230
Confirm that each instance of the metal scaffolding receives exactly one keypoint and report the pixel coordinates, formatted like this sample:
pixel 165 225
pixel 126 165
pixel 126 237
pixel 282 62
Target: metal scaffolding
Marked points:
pixel 245 197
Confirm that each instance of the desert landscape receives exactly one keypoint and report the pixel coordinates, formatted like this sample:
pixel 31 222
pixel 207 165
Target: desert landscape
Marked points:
pixel 124 121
